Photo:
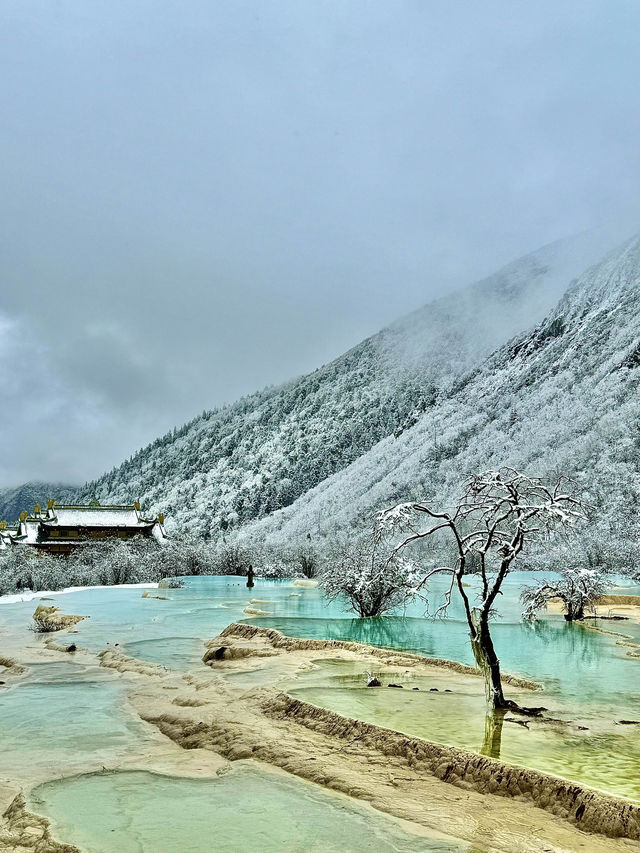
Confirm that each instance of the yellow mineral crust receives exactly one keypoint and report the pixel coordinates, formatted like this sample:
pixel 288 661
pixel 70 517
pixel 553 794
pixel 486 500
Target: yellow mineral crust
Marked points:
pixel 278 640
pixel 52 619
pixel 487 802
pixel 21 831
pixel 11 666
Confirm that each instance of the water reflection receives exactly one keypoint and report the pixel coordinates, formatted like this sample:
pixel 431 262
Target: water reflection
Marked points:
pixel 445 708
pixel 381 631
pixel 492 742
pixel 575 639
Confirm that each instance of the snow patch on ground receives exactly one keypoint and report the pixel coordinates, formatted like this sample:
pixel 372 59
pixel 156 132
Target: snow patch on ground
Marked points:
pixel 29 595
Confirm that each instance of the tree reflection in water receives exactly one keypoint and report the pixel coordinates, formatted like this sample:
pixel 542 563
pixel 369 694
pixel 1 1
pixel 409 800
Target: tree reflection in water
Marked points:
pixel 410 634
pixel 492 741
pixel 566 638
pixel 380 631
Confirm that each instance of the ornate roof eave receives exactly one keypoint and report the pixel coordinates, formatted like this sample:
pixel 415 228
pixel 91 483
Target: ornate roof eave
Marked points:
pixel 142 525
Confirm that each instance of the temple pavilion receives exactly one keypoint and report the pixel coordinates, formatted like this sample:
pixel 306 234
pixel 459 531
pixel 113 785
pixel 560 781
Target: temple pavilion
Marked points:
pixel 60 529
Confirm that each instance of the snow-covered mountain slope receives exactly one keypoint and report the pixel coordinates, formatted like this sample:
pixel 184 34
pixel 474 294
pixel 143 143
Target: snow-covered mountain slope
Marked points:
pixel 564 398
pixel 243 462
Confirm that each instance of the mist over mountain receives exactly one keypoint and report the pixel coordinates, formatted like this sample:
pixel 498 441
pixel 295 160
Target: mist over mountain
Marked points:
pixel 14 501
pixel 562 398
pixel 273 453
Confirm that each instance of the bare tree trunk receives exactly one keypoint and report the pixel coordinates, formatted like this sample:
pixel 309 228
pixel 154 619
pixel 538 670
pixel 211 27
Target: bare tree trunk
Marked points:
pixel 486 658
pixel 574 612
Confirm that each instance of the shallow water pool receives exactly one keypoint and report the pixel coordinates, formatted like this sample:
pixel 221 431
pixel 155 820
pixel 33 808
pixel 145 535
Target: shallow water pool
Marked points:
pixel 604 756
pixel 245 809
pixel 63 718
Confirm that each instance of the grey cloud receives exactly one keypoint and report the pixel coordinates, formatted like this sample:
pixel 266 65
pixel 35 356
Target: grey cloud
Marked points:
pixel 236 193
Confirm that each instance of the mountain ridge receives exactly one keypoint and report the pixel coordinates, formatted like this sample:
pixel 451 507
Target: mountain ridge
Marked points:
pixel 245 461
pixel 230 467
pixel 24 497
pixel 562 397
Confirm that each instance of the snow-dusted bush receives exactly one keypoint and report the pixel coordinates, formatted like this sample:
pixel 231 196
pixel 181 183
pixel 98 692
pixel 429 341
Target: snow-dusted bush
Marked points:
pixel 293 561
pixel 372 583
pixel 106 563
pixel 272 571
pixel 230 560
pixel 578 589
pixel 290 561
pixel 23 568
pixel 307 561
pixel 170 583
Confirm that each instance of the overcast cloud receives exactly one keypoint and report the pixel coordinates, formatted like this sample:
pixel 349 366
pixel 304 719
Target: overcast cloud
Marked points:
pixel 201 198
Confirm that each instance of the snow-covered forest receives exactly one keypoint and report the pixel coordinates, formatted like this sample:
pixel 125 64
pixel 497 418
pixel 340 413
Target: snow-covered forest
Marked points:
pixel 282 452
pixel 453 388
pixel 562 398
pixel 144 561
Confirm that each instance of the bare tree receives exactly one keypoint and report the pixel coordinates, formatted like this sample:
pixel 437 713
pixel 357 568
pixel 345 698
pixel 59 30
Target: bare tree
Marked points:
pixel 498 513
pixel 307 561
pixel 371 583
pixel 577 588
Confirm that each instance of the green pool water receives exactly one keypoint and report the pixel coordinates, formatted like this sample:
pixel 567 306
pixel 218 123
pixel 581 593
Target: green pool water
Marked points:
pixel 245 809
pixel 61 718
pixel 604 756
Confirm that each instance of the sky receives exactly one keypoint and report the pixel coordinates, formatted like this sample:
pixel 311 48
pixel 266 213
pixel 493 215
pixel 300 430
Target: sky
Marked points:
pixel 203 198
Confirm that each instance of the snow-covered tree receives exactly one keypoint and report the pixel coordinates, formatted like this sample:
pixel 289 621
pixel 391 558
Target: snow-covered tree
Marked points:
pixel 372 583
pixel 108 562
pixel 499 512
pixel 578 589
pixel 308 561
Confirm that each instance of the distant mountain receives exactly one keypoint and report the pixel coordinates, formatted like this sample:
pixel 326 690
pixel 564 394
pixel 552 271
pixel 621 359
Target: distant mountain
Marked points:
pixel 233 466
pixel 564 397
pixel 13 501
